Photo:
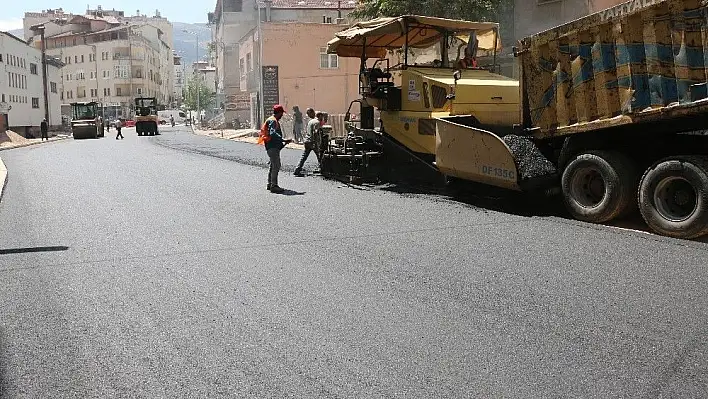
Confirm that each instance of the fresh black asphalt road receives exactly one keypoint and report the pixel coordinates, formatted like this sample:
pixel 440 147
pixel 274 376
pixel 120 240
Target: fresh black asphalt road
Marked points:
pixel 160 267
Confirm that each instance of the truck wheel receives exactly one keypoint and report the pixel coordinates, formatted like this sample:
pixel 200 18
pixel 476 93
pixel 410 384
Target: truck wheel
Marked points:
pixel 673 197
pixel 599 186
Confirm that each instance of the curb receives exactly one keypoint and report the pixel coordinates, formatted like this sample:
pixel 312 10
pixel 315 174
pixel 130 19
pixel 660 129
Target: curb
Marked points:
pixel 34 143
pixel 3 177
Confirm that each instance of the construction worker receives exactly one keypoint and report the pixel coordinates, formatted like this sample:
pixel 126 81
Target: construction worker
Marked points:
pixel 44 129
pixel 316 119
pixel 297 124
pixel 119 125
pixel 274 142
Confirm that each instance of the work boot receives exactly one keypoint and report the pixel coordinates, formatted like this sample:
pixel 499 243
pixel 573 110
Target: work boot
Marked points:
pixel 276 190
pixel 268 187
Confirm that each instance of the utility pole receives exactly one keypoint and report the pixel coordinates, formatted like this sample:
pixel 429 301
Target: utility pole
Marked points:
pixel 40 29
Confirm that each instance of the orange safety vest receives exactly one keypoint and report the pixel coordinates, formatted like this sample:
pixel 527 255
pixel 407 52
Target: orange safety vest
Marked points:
pixel 264 135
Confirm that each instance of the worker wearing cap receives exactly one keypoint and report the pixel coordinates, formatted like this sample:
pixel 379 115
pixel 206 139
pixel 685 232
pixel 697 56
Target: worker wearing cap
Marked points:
pixel 273 147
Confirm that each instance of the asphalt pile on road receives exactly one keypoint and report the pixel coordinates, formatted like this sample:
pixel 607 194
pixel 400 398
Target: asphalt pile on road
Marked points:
pixel 9 138
pixel 529 159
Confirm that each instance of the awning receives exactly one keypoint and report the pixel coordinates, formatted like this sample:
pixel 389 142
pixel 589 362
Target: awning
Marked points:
pixel 384 34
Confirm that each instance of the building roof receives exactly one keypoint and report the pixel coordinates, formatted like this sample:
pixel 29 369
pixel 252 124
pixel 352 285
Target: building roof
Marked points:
pixel 14 37
pixel 311 4
pixel 68 34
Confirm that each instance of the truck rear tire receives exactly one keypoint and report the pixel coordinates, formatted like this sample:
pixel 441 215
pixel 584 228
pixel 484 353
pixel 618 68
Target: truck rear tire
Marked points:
pixel 673 197
pixel 599 186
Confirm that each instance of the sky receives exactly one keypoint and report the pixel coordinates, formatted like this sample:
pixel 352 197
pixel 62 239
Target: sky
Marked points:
pixel 174 10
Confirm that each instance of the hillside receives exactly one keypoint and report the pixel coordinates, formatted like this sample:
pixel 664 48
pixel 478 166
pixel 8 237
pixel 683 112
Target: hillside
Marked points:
pixel 184 42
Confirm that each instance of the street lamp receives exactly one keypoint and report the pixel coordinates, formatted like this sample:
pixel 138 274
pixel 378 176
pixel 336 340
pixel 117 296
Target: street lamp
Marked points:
pixel 196 35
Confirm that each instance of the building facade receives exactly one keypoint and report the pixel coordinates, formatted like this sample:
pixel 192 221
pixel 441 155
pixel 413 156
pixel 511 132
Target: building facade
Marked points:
pixel 306 75
pixel 109 60
pixel 22 88
pixel 237 22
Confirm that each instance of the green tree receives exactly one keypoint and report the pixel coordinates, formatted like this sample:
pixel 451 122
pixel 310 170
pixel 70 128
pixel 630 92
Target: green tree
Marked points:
pixel 205 98
pixel 501 11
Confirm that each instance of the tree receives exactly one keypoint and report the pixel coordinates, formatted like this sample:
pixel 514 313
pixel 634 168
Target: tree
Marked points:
pixel 501 11
pixel 206 97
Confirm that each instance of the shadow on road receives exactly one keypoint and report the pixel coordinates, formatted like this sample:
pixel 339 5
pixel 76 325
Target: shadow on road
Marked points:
pixel 519 204
pixel 32 249
pixel 291 192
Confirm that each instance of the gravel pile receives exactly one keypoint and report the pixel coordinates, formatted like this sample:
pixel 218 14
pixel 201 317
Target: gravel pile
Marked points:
pixel 10 138
pixel 529 160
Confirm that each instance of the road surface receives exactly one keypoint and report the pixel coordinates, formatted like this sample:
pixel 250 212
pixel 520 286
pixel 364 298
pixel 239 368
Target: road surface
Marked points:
pixel 161 267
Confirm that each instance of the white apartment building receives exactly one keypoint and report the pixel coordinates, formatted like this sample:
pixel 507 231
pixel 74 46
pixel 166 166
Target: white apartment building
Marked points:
pixel 110 61
pixel 21 86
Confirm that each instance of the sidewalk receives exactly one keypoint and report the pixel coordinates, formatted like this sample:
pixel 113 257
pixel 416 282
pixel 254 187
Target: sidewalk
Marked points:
pixel 10 139
pixel 244 135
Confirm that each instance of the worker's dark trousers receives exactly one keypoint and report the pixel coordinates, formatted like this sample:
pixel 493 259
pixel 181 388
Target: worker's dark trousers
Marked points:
pixel 119 134
pixel 44 136
pixel 274 157
pixel 309 147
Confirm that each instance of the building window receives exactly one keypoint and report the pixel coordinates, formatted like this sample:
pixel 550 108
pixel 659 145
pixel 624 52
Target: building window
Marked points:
pixel 82 58
pixel 80 75
pixel 140 91
pixel 106 74
pixel 1 61
pixel 242 66
pixel 35 102
pixel 76 58
pixel 249 64
pixel 33 69
pixel 92 75
pixel 106 91
pixel 94 92
pixel 53 87
pixel 121 72
pixel 328 61
pixel 118 91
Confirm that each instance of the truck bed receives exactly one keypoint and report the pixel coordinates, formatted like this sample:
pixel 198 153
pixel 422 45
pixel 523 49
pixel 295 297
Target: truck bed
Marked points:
pixel 639 63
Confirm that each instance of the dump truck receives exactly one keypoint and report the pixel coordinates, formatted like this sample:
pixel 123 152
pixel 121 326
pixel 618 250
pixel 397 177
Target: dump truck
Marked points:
pixel 609 112
pixel 146 117
pixel 85 121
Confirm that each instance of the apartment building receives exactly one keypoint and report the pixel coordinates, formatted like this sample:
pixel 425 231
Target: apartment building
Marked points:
pixel 302 75
pixel 109 60
pixel 233 20
pixel 22 88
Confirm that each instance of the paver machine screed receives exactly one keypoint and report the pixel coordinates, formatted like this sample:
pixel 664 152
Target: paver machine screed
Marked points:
pixel 146 117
